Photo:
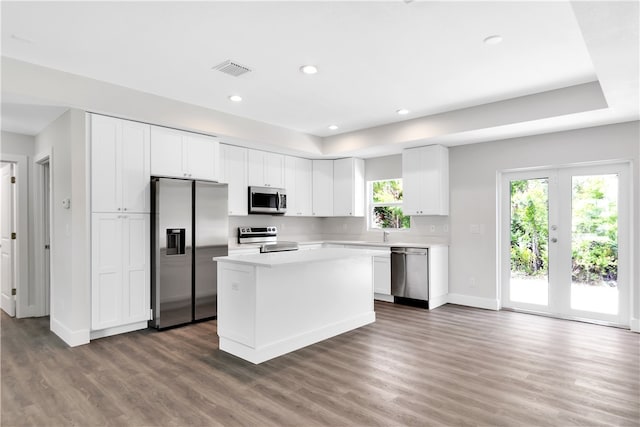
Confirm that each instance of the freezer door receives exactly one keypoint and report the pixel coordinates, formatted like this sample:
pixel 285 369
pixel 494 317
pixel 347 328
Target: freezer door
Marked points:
pixel 173 250
pixel 211 240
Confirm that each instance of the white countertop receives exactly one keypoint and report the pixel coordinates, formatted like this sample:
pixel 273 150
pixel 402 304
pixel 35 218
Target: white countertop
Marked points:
pixel 376 244
pixel 277 259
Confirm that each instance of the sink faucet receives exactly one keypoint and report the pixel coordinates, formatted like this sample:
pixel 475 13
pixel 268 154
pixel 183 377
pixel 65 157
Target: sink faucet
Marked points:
pixel 385 236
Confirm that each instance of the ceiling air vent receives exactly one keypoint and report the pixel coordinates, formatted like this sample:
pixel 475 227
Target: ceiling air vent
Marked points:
pixel 232 68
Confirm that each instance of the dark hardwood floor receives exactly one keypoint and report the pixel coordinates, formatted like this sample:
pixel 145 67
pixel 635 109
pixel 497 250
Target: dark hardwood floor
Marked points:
pixel 451 366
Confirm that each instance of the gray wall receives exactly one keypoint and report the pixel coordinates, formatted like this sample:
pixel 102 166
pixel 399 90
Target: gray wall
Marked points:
pixel 473 174
pixel 70 244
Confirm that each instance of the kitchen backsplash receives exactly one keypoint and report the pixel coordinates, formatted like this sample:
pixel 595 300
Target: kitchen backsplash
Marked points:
pixel 289 228
pixel 427 229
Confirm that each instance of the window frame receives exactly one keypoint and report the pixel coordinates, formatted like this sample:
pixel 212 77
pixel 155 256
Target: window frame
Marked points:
pixel 371 205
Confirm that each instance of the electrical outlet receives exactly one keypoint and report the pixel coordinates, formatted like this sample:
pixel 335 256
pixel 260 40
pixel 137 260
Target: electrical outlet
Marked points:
pixel 432 228
pixel 472 282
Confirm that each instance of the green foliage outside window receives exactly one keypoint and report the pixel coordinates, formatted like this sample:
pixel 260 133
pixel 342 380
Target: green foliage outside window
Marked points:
pixel 594 245
pixel 386 201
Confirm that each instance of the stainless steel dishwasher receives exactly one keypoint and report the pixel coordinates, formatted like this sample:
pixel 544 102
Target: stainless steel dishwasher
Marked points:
pixel 410 274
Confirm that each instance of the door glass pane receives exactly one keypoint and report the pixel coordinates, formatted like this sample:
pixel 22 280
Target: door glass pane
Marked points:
pixel 529 282
pixel 594 243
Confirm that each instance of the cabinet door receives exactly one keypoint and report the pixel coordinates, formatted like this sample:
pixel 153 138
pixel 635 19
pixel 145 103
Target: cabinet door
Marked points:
pixel 411 181
pixel 106 270
pixel 202 156
pixel 255 167
pixel 382 275
pixel 322 188
pixel 274 170
pixel 342 187
pixel 136 282
pixel 135 170
pixel 234 172
pixel 304 188
pixel 290 171
pixel 166 152
pixel 106 184
pixel 435 180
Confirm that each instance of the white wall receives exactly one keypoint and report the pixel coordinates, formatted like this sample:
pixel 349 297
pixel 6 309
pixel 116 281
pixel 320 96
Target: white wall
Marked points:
pixel 70 286
pixel 24 145
pixel 473 171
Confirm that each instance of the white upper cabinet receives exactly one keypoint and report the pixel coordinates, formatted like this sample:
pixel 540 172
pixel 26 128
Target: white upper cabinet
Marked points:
pixel 120 170
pixel 298 185
pixel 201 157
pixel 348 187
pixel 181 154
pixel 265 169
pixel 425 180
pixel 322 181
pixel 233 171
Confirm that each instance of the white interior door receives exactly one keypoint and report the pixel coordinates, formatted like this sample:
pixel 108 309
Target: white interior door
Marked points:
pixel 565 240
pixel 46 203
pixel 7 248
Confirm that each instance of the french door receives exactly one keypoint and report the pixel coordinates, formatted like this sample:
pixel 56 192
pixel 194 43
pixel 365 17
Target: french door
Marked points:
pixel 565 242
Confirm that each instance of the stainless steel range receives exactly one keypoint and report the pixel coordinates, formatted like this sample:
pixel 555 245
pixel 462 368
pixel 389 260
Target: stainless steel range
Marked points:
pixel 267 237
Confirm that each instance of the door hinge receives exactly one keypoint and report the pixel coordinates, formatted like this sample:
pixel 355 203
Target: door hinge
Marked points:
pixel 14 236
pixel 13 291
pixel 13 179
pixel 150 314
pixel 47 247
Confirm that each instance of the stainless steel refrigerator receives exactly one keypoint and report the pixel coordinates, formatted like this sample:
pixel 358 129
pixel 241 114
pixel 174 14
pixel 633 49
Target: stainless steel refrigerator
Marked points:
pixel 189 226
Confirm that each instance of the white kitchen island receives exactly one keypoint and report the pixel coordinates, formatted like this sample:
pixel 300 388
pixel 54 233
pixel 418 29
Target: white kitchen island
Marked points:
pixel 275 303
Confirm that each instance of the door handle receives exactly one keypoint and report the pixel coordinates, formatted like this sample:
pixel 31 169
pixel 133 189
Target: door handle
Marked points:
pixel 554 240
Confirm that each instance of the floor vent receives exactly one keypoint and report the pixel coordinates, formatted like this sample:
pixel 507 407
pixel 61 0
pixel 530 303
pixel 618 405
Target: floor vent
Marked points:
pixel 232 68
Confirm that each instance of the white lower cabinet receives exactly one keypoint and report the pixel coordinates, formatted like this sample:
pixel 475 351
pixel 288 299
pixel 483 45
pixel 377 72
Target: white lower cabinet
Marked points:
pixel 120 269
pixel 382 275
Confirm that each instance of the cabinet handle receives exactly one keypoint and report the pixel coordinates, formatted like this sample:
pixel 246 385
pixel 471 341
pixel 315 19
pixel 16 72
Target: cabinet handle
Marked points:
pixel 124 209
pixel 118 208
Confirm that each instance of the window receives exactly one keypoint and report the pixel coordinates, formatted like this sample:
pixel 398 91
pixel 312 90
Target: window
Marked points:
pixel 385 205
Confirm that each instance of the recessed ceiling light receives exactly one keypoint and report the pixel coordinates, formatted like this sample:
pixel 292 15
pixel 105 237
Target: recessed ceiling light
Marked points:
pixel 235 98
pixel 495 39
pixel 309 69
pixel 402 111
pixel 333 127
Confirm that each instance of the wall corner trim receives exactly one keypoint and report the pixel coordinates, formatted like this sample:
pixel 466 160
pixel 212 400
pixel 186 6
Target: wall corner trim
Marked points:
pixel 472 301
pixel 71 338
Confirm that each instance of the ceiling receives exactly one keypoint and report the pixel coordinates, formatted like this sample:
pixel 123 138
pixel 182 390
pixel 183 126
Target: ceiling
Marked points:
pixel 373 57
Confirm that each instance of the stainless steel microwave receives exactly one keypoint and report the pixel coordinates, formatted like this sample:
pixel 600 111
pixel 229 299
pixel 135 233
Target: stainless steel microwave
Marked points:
pixel 267 200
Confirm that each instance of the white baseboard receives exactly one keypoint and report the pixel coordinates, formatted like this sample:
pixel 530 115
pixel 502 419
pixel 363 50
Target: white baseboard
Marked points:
pixel 72 338
pixel 635 325
pixel 471 301
pixel 119 330
pixel 259 355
